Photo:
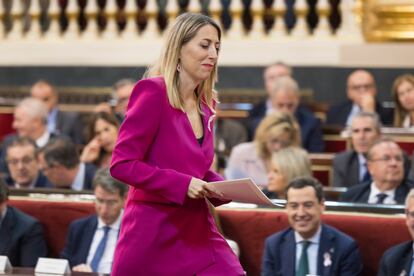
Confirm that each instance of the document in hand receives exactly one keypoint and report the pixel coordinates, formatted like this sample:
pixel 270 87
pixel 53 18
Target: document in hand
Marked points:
pixel 242 190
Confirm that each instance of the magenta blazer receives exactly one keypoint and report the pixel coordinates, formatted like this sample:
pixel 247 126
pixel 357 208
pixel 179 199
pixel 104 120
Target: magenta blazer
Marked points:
pixel 163 231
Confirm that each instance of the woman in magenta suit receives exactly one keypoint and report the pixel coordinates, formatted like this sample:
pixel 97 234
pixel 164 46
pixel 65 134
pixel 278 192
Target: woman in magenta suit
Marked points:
pixel 164 152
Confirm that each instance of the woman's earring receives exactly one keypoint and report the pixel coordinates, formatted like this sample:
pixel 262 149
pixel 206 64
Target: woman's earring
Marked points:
pixel 178 67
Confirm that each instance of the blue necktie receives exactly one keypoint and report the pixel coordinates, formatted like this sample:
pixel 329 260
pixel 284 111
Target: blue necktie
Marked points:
pixel 381 197
pixel 303 267
pixel 100 250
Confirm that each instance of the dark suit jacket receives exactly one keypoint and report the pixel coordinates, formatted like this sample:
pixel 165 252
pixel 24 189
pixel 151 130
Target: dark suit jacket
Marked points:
pixel 346 168
pixel 79 240
pixel 338 113
pixel 280 254
pixel 310 126
pixel 360 192
pixel 21 238
pixel 397 260
pixel 90 171
pixel 70 124
pixel 41 182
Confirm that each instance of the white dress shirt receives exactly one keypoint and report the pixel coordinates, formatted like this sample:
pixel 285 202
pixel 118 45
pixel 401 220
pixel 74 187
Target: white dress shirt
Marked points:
pixel 375 191
pixel 105 265
pixel 362 161
pixel 79 180
pixel 42 140
pixel 355 110
pixel 312 250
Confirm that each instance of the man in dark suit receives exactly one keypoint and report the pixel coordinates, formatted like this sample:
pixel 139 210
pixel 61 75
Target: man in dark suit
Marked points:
pixel 308 246
pixel 388 186
pixel 285 98
pixel 398 260
pixel 87 249
pixel 361 92
pixel 21 158
pixel 64 123
pixel 59 161
pixel 21 236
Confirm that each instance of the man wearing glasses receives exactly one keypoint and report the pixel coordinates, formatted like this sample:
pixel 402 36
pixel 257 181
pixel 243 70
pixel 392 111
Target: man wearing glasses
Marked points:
pixel 90 243
pixel 22 164
pixel 388 186
pixel 398 260
pixel 361 92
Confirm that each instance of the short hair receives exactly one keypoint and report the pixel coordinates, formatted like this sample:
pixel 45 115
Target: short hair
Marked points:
pixel 43 82
pixel 184 28
pixel 119 84
pixel 380 141
pixel 34 108
pixel 302 182
pixel 282 64
pixel 360 71
pixel 399 112
pixel 60 151
pixel 286 83
pixel 20 142
pixel 276 123
pixel 107 117
pixel 371 115
pixel 292 162
pixel 104 180
pixel 409 196
pixel 4 191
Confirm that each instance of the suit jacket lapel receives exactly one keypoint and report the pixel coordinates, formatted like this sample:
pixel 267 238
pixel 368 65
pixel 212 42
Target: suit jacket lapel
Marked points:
pixel 6 232
pixel 288 251
pixel 326 252
pixel 407 261
pixel 89 233
pixel 354 169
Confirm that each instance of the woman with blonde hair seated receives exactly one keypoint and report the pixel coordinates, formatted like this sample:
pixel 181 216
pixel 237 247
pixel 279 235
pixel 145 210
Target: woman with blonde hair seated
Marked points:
pixel 403 94
pixel 252 159
pixel 286 165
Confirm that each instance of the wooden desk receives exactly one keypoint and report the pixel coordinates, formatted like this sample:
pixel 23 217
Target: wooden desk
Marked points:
pixel 322 167
pixel 26 271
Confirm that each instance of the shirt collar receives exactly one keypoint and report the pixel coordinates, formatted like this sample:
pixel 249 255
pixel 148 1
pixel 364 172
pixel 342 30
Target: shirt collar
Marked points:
pixel 42 140
pixel 361 159
pixel 314 239
pixel 115 226
pixel 376 191
pixel 32 185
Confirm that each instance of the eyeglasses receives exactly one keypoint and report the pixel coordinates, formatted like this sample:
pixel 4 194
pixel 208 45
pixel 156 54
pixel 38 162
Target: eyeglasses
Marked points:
pixel 409 214
pixel 362 86
pixel 388 159
pixel 25 161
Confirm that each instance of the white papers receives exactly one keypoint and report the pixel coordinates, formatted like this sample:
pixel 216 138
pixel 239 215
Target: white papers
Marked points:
pixel 5 265
pixel 52 266
pixel 242 190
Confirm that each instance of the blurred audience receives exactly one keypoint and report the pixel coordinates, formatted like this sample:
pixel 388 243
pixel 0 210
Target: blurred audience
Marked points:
pixel 362 93
pixel 21 158
pixel 121 91
pixel 21 236
pixel 308 246
pixel 398 260
pixel 102 134
pixel 286 164
pixel 59 122
pixel 59 161
pixel 388 186
pixel 284 97
pixel 403 94
pixel 90 242
pixel 252 159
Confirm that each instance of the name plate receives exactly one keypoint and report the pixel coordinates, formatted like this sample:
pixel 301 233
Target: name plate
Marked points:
pixel 5 265
pixel 52 266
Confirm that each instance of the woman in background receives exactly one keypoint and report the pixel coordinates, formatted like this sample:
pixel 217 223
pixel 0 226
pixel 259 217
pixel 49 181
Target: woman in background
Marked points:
pixel 102 133
pixel 252 159
pixel 286 165
pixel 403 94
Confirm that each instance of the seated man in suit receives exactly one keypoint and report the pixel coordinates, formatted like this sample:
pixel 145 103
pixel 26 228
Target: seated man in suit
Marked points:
pixel 21 236
pixel 59 122
pixel 285 98
pixel 398 260
pixel 90 243
pixel 388 186
pixel 361 92
pixel 308 246
pixel 30 116
pixel 350 167
pixel 21 158
pixel 59 160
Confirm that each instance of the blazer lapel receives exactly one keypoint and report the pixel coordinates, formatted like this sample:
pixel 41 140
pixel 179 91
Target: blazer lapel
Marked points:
pixel 288 251
pixel 6 232
pixel 407 262
pixel 89 233
pixel 326 252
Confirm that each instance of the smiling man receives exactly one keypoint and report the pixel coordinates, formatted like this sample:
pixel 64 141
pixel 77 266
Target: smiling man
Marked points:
pixel 308 246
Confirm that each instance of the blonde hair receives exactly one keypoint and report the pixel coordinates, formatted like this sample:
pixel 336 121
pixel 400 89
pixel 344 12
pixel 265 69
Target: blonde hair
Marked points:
pixel 285 83
pixel 292 162
pixel 399 112
pixel 276 124
pixel 184 28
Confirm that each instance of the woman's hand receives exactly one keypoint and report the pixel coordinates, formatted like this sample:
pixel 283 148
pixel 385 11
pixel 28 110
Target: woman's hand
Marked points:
pixel 199 189
pixel 91 151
